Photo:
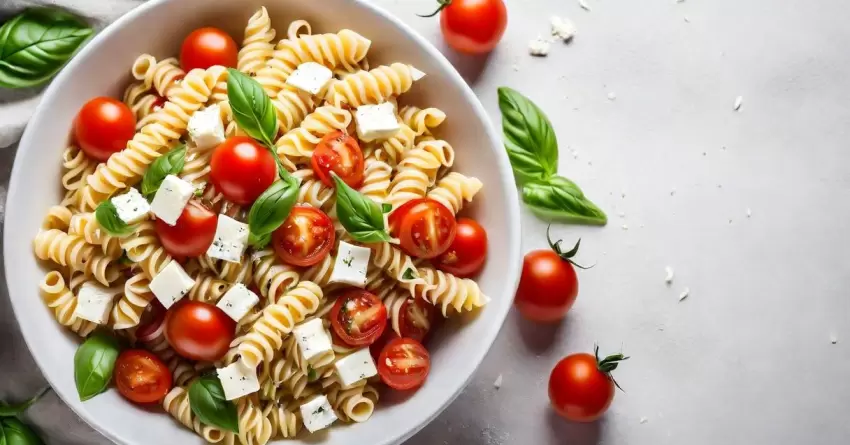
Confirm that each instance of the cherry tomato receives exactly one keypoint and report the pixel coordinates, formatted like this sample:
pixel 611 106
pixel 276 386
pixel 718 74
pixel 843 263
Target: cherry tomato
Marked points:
pixel 404 364
pixel 581 387
pixel 193 233
pixel 242 169
pixel 153 322
pixel 206 47
pixel 339 153
pixel 103 126
pixel 425 227
pixel 141 377
pixel 199 331
pixel 358 317
pixel 415 318
pixel 472 26
pixel 305 238
pixel 157 103
pixel 467 253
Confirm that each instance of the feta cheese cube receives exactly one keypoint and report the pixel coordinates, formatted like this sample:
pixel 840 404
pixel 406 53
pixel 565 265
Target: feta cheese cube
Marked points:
pixel 356 367
pixel 171 284
pixel 312 339
pixel 231 239
pixel 171 199
pixel 237 380
pixel 310 77
pixel 238 301
pixel 132 207
pixel 94 302
pixel 376 122
pixel 351 265
pixel 206 128
pixel 416 74
pixel 317 414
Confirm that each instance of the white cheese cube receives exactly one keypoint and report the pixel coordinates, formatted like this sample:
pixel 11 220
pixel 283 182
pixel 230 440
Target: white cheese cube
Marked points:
pixel 132 207
pixel 416 74
pixel 171 284
pixel 231 239
pixel 312 339
pixel 238 301
pixel 351 265
pixel 206 129
pixel 310 77
pixel 376 122
pixel 237 380
pixel 94 302
pixel 355 367
pixel 171 199
pixel 317 414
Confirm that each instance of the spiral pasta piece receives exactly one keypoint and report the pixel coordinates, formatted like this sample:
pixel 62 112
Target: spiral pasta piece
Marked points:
pixel 127 310
pixel 448 291
pixel 143 247
pixel 374 86
pixel 141 101
pixel 86 226
pixel 285 375
pixel 313 191
pixel 164 75
pixel 394 262
pixel 272 277
pixel 58 217
pixel 394 148
pixel 455 189
pixel 292 107
pixel 257 46
pixel 378 283
pixel 376 180
pixel 353 404
pixel 63 302
pixel 208 289
pixel 418 170
pixel 73 251
pixel 255 427
pixel 76 168
pixel 176 403
pixel 298 144
pixel 422 121
pixel 285 422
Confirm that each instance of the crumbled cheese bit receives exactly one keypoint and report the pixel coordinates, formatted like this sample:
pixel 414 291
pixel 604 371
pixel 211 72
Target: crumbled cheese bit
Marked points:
pixel 622 214
pixel 539 47
pixel 685 293
pixel 669 277
pixel 749 212
pixel 498 383
pixel 515 67
pixel 625 227
pixel 687 20
pixel 833 338
pixel 738 102
pixel 673 191
pixel 612 96
pixel 584 5
pixel 644 420
pixel 562 28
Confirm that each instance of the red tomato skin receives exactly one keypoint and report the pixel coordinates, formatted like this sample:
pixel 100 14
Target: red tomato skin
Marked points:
pixel 408 223
pixel 192 235
pixel 128 361
pixel 321 225
pixel 242 169
pixel 474 26
pixel 199 331
pixel 364 339
pixel 103 126
pixel 548 287
pixel 205 47
pixel 399 381
pixel 467 254
pixel 578 391
pixel 327 158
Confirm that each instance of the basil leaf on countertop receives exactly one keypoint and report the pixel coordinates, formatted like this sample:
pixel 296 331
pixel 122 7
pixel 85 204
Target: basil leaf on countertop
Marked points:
pixel 36 44
pixel 270 210
pixel 206 398
pixel 14 410
pixel 252 107
pixel 169 164
pixel 15 432
pixel 107 216
pixel 361 217
pixel 561 200
pixel 94 362
pixel 529 138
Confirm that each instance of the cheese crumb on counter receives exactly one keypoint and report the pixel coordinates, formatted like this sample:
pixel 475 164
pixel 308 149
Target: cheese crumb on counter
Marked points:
pixel 584 5
pixel 738 102
pixel 498 383
pixel 562 28
pixel 669 277
pixel 685 293
pixel 539 47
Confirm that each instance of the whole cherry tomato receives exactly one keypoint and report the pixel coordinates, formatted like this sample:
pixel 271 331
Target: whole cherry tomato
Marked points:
pixel 467 253
pixel 242 169
pixel 206 47
pixel 193 233
pixel 199 331
pixel 103 126
pixel 581 387
pixel 472 26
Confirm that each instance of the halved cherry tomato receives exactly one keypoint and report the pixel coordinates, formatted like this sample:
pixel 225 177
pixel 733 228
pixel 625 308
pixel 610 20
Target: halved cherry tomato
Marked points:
pixel 153 322
pixel 199 331
pixel 103 126
pixel 581 387
pixel 305 238
pixel 425 227
pixel 404 364
pixel 376 348
pixel 358 317
pixel 242 169
pixel 468 252
pixel 193 233
pixel 206 47
pixel 473 26
pixel 415 318
pixel 339 153
pixel 141 377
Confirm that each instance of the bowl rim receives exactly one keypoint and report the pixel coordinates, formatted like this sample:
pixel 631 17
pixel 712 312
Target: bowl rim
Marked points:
pixel 512 210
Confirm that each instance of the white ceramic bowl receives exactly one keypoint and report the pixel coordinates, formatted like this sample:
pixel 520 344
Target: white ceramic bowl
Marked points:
pixel 158 27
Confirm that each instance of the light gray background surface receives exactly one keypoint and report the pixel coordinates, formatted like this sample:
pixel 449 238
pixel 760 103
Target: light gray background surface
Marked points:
pixel 748 357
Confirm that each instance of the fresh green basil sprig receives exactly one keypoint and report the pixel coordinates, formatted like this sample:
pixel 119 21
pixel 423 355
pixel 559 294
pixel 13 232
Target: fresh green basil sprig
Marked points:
pixel 107 217
pixel 361 217
pixel 206 398
pixel 533 151
pixel 94 362
pixel 15 432
pixel 35 44
pixel 270 210
pixel 169 164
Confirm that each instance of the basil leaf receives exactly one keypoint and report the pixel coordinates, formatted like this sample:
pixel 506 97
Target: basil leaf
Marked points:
pixel 272 207
pixel 107 216
pixel 206 398
pixel 409 274
pixel 252 107
pixel 14 410
pixel 93 365
pixel 35 44
pixel 529 139
pixel 15 432
pixel 560 199
pixel 360 216
pixel 169 164
pixel 259 242
pixel 386 208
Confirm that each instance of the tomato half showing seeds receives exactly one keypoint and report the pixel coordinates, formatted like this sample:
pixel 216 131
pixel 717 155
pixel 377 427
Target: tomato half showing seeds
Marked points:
pixel 103 126
pixel 193 233
pixel 305 238
pixel 242 169
pixel 404 364
pixel 473 26
pixel 425 227
pixel 206 47
pixel 415 318
pixel 468 252
pixel 141 377
pixel 581 387
pixel 358 317
pixel 199 331
pixel 339 153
